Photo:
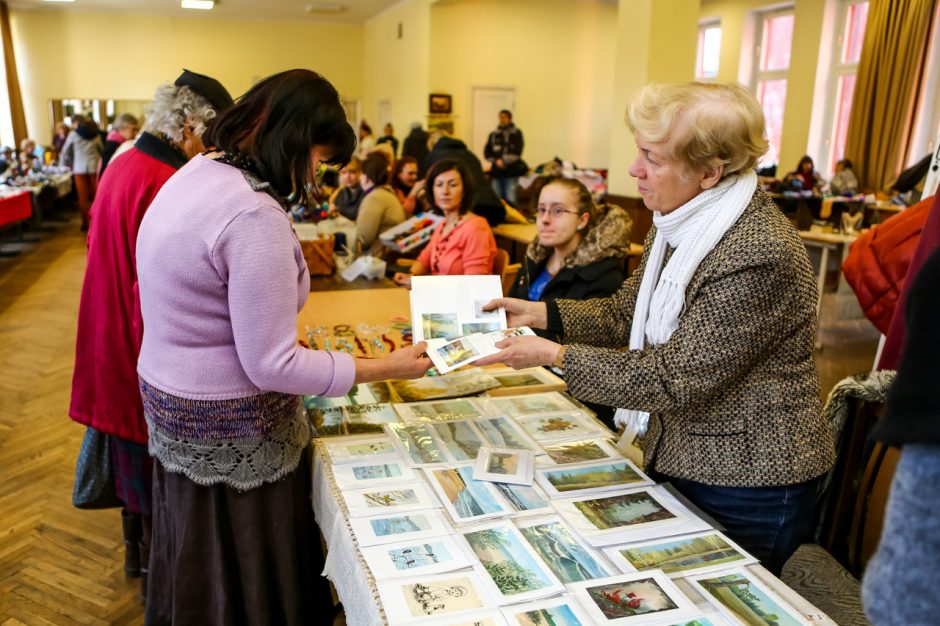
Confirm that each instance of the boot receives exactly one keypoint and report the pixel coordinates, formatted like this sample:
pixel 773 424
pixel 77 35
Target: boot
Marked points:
pixel 131 524
pixel 144 547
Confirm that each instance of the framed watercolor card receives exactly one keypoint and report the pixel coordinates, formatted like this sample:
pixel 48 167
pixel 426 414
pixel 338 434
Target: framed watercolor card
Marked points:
pixel 396 527
pixel 524 499
pixel 416 442
pixel 568 558
pixel 504 465
pixel 744 599
pixel 362 448
pixel 465 499
pixel 634 599
pixel 561 611
pixel 582 451
pixel 485 617
pixel 699 553
pixel 531 404
pixel 531 380
pixel 373 473
pixel 449 355
pixel 454 385
pixel 459 438
pixel 439 410
pixel 560 426
pixel 354 419
pixel 591 478
pixel 513 570
pixel 423 599
pixel 503 432
pixel 428 555
pixel 377 500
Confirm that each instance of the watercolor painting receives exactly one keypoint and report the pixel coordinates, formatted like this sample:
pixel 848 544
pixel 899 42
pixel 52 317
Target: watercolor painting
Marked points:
pixel 447 410
pixel 527 405
pixel 575 452
pixel 563 553
pixel 627 509
pixel 593 477
pixel 468 498
pixel 372 472
pixel 518 380
pixel 420 555
pixel 399 525
pixel 560 615
pixel 459 438
pixel 479 327
pixel 500 432
pixel 385 499
pixel 682 555
pixel 441 597
pixel 370 449
pixel 552 425
pixel 747 600
pixel 513 569
pixel 522 497
pixel 628 599
pixel 418 442
pixel 502 463
pixel 440 325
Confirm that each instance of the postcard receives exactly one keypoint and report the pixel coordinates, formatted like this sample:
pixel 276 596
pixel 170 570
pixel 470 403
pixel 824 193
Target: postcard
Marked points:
pixel 581 451
pixel 363 448
pixel 378 500
pixel 465 499
pixel 591 478
pixel 743 598
pixel 372 473
pixel 460 439
pixel 503 432
pixel 711 619
pixel 513 571
pixel 524 499
pixel 566 555
pixel 698 553
pixel 354 419
pixel 439 410
pixel 504 465
pixel 428 598
pixel 486 617
pixel 363 393
pixel 561 426
pixel 416 442
pixel 395 527
pixel 563 610
pixel 428 555
pixel 531 404
pixel 530 380
pixel 629 599
pixel 442 305
pixel 453 385
pixel 450 354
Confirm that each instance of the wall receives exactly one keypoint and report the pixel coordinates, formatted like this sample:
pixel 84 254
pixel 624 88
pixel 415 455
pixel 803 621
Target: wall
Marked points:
pixel 558 54
pixel 68 54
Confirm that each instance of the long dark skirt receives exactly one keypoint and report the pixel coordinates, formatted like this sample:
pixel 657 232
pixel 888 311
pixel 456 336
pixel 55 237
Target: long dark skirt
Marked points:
pixel 220 556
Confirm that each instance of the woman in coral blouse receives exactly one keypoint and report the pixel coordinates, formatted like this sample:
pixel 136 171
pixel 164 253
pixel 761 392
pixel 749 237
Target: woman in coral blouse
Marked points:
pixel 463 243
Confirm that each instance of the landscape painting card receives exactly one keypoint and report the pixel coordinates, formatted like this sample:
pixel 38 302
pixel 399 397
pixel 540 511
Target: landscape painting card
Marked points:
pixel 531 404
pixel 449 354
pixel 354 419
pixel 396 527
pixel 416 443
pixel 447 307
pixel 454 385
pixel 744 599
pixel 510 567
pixel 503 432
pixel 485 617
pixel 439 410
pixel 524 499
pixel 560 426
pixel 388 499
pixel 373 473
pixel 361 448
pixel 564 553
pixel 465 499
pixel 429 598
pixel 634 600
pixel 709 618
pixel 698 553
pixel 428 555
pixel 512 382
pixel 504 465
pixel 590 478
pixel 562 610
pixel 581 451
pixel 460 439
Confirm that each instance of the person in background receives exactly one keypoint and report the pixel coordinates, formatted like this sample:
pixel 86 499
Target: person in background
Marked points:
pixel 81 154
pixel 124 129
pixel 62 131
pixel 406 185
pixel 844 182
pixel 380 208
pixel 7 161
pixel 463 242
pixel 804 177
pixel 348 197
pixel 389 137
pixel 486 204
pixel 366 140
pixel 416 146
pixel 222 278
pixel 27 156
pixel 105 389
pixel 504 152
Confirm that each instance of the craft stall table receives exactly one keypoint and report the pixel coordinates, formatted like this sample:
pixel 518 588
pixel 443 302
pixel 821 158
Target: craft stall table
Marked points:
pixel 832 249
pixel 15 208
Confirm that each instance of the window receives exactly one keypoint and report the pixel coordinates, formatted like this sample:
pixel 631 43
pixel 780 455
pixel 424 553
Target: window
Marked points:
pixel 770 79
pixel 709 49
pixel 848 51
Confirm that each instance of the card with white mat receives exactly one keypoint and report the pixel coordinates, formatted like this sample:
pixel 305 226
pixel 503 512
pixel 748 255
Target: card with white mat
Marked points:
pixel 504 465
pixel 429 555
pixel 396 527
pixel 637 599
pixel 429 599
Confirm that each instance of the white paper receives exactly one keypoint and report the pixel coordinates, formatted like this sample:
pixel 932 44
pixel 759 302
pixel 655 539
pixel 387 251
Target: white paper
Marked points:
pixel 372 473
pixel 397 527
pixel 758 591
pixel 634 600
pixel 563 610
pixel 427 555
pixel 449 354
pixel 504 465
pixel 465 499
pixel 356 449
pixel 583 479
pixel 426 599
pixel 446 307
pixel 388 499
pixel 676 564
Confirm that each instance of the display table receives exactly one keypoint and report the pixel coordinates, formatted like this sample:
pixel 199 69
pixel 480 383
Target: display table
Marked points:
pixel 835 244
pixel 15 206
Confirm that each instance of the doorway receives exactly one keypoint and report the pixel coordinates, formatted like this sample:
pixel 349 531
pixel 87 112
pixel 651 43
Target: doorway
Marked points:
pixel 487 103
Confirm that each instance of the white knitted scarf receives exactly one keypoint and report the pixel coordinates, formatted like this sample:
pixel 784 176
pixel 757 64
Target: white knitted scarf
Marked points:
pixel 693 230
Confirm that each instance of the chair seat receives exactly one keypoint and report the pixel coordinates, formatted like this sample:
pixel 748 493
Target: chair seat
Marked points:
pixel 817 576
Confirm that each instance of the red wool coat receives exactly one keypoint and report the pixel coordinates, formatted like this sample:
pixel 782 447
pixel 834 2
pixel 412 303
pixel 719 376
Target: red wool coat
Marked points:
pixel 105 394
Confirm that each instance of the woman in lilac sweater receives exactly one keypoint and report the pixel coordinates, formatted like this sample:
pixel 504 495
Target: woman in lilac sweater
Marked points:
pixel 222 278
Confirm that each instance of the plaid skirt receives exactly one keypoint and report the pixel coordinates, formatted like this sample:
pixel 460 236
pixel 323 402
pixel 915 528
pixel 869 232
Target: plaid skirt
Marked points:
pixel 133 475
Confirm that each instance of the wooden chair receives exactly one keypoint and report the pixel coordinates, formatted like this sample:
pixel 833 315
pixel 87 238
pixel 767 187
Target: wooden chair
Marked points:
pixel 500 262
pixel 509 276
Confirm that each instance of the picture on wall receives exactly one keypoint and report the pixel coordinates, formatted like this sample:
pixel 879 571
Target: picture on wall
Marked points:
pixel 440 104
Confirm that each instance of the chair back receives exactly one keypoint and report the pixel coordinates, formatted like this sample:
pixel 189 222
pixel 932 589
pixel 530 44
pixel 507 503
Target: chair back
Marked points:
pixel 509 276
pixel 500 261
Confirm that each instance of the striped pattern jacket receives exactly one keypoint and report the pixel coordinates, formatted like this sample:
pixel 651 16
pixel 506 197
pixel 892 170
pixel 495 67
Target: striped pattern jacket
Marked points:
pixel 734 394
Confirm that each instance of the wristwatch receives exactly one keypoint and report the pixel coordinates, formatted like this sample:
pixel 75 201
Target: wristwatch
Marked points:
pixel 557 364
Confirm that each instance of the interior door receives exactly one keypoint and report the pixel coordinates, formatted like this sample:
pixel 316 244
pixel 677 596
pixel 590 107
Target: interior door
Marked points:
pixel 487 103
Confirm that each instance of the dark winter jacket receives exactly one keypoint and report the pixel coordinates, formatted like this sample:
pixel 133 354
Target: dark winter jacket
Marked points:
pixel 506 143
pixel 486 204
pixel 416 145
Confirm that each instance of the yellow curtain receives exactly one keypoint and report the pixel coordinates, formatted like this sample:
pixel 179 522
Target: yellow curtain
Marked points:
pixel 890 73
pixel 13 81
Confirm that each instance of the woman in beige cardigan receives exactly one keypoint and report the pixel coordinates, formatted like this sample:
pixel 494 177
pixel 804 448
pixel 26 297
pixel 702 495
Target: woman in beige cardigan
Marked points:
pixel 708 346
pixel 380 208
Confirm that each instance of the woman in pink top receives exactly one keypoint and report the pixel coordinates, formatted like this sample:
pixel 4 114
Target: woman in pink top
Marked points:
pixel 463 243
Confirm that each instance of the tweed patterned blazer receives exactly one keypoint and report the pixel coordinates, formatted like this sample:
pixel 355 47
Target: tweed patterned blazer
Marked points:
pixel 733 396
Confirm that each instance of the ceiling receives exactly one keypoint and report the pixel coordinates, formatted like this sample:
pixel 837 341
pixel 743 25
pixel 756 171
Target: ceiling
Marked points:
pixel 352 10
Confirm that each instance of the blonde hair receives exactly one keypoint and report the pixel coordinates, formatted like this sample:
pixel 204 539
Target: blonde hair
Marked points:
pixel 700 122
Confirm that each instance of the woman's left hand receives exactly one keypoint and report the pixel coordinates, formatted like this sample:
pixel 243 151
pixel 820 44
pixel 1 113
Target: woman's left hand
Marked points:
pixel 522 352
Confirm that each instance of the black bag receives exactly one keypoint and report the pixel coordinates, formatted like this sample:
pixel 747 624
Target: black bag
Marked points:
pixel 94 476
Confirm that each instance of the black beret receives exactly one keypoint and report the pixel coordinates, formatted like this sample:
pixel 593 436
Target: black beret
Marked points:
pixel 207 87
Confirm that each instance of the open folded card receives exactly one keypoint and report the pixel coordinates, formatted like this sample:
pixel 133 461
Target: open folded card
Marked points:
pixel 451 354
pixel 447 307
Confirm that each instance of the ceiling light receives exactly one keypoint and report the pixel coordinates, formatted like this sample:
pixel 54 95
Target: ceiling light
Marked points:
pixel 202 5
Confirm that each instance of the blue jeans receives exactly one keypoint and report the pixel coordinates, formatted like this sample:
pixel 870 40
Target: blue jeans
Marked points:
pixel 769 522
pixel 507 189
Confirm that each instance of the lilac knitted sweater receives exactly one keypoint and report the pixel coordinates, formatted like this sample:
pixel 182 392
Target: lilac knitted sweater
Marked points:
pixel 222 278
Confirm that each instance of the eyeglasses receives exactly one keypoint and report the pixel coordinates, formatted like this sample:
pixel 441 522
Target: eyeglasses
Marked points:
pixel 555 211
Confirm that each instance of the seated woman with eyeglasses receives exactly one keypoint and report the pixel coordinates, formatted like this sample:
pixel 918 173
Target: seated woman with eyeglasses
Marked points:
pixel 579 249
pixel 463 242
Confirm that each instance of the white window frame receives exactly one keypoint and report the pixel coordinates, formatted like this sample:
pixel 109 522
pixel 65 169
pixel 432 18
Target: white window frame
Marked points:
pixel 703 25
pixel 758 75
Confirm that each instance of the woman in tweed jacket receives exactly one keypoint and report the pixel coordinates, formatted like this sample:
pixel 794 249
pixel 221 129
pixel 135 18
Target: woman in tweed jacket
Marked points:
pixel 710 343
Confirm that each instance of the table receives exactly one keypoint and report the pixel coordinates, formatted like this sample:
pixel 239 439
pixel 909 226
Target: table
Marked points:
pixel 335 283
pixel 827 243
pixel 15 207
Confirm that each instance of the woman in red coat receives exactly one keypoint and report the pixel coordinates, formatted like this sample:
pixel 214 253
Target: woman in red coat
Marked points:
pixel 105 391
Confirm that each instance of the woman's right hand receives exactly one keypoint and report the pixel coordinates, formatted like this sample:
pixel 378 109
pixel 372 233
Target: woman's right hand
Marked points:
pixel 521 312
pixel 402 364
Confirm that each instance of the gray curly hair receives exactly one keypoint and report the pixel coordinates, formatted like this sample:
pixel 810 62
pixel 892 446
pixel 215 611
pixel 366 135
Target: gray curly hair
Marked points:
pixel 173 108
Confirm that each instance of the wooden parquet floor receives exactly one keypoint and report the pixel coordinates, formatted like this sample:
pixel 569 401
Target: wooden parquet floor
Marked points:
pixel 58 565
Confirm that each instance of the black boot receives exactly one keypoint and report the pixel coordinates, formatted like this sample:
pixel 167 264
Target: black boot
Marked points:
pixel 144 547
pixel 131 524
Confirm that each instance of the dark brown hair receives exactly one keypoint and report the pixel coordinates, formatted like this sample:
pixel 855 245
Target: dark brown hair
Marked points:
pixel 375 167
pixel 452 165
pixel 583 202
pixel 397 168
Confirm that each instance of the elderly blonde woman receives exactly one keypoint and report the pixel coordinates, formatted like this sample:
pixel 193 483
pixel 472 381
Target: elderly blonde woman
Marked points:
pixel 708 347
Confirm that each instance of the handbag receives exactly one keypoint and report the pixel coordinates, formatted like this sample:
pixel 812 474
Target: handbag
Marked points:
pixel 318 253
pixel 94 476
